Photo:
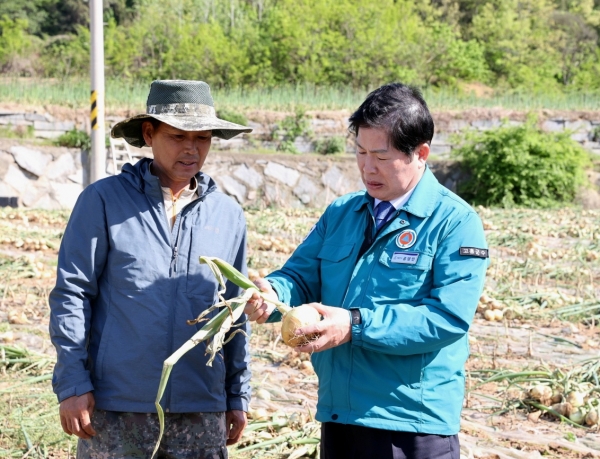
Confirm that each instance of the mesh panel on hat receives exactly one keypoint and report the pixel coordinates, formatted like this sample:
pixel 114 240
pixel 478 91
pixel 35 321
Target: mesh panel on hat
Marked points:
pixel 179 92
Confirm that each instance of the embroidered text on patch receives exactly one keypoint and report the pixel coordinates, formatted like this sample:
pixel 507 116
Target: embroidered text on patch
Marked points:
pixel 407 258
pixel 473 252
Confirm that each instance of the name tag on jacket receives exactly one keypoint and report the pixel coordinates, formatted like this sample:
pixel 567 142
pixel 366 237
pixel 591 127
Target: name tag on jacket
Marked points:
pixel 407 258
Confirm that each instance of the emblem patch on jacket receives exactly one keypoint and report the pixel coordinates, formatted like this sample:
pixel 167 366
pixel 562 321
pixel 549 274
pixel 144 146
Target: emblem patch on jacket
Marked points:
pixel 406 239
pixel 473 252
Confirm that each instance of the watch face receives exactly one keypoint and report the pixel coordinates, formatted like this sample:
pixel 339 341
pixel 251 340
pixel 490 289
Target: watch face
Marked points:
pixel 356 318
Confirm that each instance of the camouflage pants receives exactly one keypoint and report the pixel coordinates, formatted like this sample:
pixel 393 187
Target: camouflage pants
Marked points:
pixel 134 435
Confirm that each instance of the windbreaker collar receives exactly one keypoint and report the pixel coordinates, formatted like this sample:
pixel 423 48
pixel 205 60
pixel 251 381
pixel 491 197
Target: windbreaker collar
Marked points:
pixel 140 177
pixel 422 201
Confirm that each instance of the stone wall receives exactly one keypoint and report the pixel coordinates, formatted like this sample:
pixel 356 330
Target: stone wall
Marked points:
pixel 52 177
pixel 40 176
pixel 583 126
pixel 42 125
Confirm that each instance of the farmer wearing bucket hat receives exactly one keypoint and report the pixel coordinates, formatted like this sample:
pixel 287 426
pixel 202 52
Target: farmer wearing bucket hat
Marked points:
pixel 128 279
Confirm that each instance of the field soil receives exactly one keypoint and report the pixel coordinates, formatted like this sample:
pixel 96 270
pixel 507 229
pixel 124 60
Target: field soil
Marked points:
pixel 544 279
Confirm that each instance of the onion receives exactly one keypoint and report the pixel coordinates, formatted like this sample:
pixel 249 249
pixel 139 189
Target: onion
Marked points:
pixel 575 398
pixel 258 413
pixel 577 416
pixel 564 409
pixel 540 392
pixel 295 319
pixel 557 396
pixel 591 419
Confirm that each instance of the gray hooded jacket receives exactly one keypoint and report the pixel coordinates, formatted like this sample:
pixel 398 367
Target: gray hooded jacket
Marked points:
pixel 127 284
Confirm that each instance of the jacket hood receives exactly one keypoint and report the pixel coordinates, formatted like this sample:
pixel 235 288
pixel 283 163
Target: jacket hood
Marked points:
pixel 142 179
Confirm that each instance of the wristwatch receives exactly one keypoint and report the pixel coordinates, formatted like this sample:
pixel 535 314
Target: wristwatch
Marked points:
pixel 355 315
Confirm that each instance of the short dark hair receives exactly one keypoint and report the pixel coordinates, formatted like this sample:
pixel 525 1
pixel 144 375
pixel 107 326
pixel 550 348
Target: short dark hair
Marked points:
pixel 401 111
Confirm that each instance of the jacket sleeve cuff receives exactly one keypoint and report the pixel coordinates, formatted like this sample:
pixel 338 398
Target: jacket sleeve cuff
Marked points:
pixel 237 403
pixel 276 315
pixel 77 390
pixel 357 329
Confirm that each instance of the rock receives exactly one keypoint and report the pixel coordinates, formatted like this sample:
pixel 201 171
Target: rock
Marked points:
pixel 279 195
pixel 5 160
pixel 16 178
pixel 65 194
pixel 281 173
pixel 305 190
pixel 37 117
pixel 233 188
pixel 484 124
pixel 588 198
pixel 31 195
pixel 248 175
pixel 7 190
pixel 334 179
pixel 556 125
pixel 61 168
pixel 46 202
pixel 31 160
pixel 303 145
pixel 456 125
pixel 53 126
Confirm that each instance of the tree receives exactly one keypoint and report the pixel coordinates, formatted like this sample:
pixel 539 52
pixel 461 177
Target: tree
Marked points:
pixel 518 39
pixel 17 47
pixel 576 42
pixel 30 10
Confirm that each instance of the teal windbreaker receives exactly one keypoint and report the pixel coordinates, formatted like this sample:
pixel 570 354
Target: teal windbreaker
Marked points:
pixel 417 288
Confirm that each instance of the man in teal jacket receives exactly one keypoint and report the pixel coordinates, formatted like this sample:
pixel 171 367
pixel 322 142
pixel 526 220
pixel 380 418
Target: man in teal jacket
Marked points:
pixel 396 271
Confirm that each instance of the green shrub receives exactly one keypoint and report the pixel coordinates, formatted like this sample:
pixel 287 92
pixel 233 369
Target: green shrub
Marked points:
pixel 75 139
pixel 19 132
pixel 233 117
pixel 330 145
pixel 293 126
pixel 521 166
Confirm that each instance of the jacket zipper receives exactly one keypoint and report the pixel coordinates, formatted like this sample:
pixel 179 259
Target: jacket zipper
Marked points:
pixel 173 269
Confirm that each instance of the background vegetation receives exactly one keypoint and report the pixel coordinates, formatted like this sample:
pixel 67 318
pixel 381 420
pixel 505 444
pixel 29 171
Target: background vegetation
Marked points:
pixel 521 166
pixel 547 46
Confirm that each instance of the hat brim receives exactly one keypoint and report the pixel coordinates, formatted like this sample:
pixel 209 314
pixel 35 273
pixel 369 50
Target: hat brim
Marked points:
pixel 131 129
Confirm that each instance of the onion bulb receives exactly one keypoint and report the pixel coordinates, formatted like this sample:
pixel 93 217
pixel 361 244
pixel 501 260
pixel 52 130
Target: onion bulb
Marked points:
pixel 564 408
pixel 577 416
pixel 591 419
pixel 295 319
pixel 575 398
pixel 540 392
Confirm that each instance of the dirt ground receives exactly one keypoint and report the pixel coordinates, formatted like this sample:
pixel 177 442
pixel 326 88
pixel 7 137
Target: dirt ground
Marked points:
pixel 497 422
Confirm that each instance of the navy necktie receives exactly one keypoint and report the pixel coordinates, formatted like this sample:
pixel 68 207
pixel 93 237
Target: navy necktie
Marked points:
pixel 383 212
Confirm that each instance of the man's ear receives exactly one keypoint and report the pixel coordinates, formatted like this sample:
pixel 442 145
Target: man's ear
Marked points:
pixel 147 132
pixel 423 153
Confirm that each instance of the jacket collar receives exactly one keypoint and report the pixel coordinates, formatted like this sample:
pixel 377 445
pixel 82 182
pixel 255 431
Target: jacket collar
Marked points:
pixel 421 203
pixel 139 176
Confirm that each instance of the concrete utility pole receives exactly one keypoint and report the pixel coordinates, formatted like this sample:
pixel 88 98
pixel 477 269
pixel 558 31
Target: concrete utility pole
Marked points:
pixel 98 156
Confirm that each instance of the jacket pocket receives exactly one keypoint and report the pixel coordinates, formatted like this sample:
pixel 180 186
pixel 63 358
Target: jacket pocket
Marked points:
pixel 410 270
pixel 334 252
pixel 105 339
pixel 335 270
